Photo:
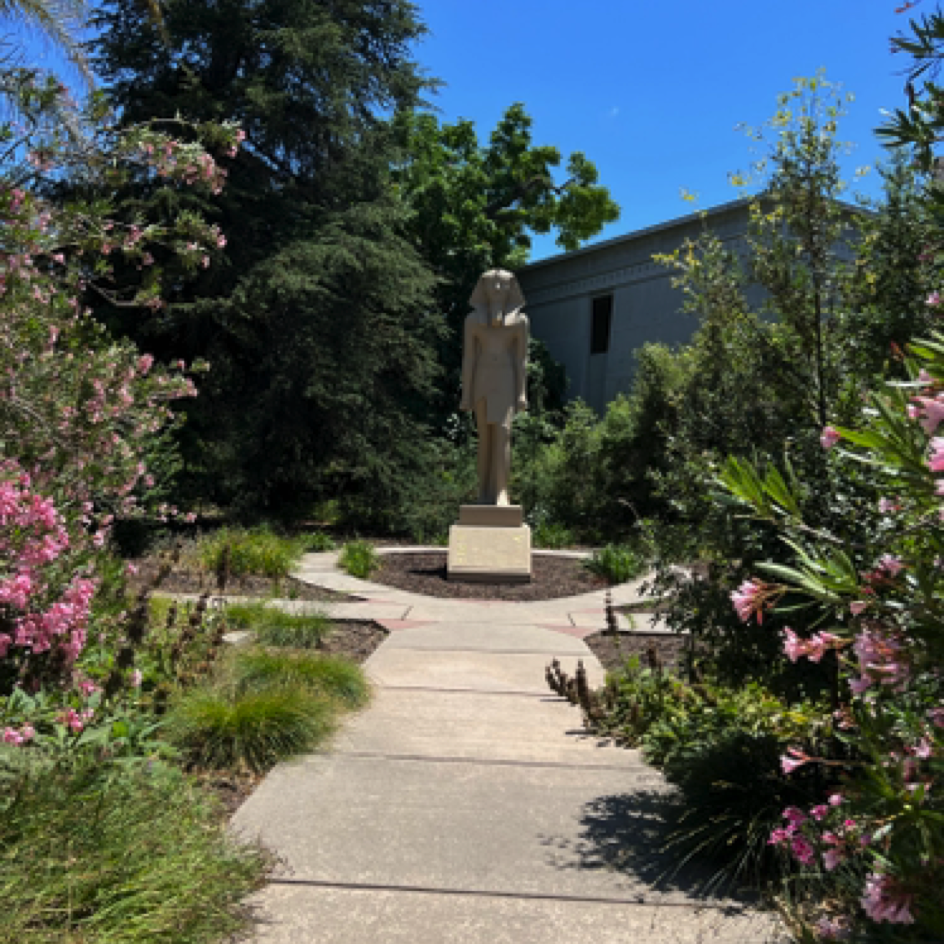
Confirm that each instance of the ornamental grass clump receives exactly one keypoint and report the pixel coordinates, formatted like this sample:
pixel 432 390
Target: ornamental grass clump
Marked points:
pixel 333 677
pixel 359 559
pixel 274 627
pixel 136 854
pixel 258 552
pixel 226 726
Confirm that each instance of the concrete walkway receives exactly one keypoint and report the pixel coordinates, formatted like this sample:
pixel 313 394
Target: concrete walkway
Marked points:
pixel 467 805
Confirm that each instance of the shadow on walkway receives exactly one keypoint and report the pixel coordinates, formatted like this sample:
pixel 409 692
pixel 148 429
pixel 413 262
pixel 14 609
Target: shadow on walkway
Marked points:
pixel 628 833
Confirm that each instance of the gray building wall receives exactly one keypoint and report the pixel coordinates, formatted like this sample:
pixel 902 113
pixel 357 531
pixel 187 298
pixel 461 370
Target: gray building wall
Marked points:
pixel 560 292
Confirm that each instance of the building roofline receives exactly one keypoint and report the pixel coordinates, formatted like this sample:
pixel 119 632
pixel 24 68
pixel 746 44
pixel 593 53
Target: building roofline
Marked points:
pixel 668 224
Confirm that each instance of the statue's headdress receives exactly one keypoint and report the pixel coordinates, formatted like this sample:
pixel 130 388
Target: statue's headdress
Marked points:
pixel 515 299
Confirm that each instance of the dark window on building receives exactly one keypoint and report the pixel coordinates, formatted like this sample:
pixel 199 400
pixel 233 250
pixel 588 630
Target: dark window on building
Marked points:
pixel 600 324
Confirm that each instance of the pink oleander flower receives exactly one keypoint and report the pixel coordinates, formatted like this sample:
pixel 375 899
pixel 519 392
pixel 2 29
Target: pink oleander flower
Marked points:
pixel 933 412
pixel 803 850
pixel 819 812
pixel 792 759
pixel 829 437
pixel 890 565
pixel 779 836
pixel 793 646
pixel 886 505
pixel 749 599
pixel 859 685
pixel 794 815
pixel 882 659
pixel 832 858
pixel 933 300
pixel 73 720
pixel 857 607
pixel 835 799
pixel 813 648
pixel 924 749
pixel 885 902
pixel 936 461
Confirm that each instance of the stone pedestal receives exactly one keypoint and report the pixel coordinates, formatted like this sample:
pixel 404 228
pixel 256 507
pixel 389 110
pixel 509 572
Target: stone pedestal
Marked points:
pixel 490 544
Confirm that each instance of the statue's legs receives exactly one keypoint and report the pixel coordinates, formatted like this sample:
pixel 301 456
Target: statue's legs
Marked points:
pixel 494 458
pixel 501 462
pixel 486 495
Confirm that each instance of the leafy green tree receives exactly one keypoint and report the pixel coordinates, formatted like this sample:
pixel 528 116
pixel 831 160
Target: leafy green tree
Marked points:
pixel 317 322
pixel 473 207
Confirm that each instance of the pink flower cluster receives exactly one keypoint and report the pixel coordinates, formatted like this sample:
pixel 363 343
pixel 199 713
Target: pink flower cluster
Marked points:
pixel 32 537
pixel 882 659
pixel 813 648
pixel 76 720
pixel 752 597
pixel 22 736
pixel 929 411
pixel 885 901
pixel 802 836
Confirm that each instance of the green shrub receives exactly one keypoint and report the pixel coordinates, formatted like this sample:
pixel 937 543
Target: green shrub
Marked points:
pixel 331 676
pixel 733 795
pixel 637 698
pixel 222 726
pixel 319 541
pixel 359 559
pixel 274 627
pixel 102 854
pixel 258 552
pixel 616 563
pixel 551 535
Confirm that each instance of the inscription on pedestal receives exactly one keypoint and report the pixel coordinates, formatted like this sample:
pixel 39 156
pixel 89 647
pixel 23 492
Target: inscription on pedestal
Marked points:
pixel 501 554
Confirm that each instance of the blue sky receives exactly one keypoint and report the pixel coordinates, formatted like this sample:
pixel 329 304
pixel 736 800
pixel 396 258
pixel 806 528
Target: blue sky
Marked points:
pixel 652 92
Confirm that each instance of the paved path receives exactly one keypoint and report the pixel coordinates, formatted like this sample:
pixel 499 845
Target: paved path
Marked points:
pixel 467 805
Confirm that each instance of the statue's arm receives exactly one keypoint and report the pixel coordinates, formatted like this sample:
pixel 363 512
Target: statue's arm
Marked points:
pixel 468 365
pixel 521 363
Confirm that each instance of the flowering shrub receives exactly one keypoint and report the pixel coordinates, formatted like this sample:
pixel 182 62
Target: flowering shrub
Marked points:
pixel 83 417
pixel 884 604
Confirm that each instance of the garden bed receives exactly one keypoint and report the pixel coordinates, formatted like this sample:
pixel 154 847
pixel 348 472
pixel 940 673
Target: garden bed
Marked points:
pixel 186 580
pixel 425 572
pixel 613 649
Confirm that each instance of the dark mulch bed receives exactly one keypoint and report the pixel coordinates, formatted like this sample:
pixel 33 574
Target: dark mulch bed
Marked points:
pixel 552 577
pixel 355 639
pixel 613 650
pixel 181 580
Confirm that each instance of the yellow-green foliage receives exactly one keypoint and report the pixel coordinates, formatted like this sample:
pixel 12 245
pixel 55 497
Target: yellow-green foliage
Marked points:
pixel 359 559
pixel 258 552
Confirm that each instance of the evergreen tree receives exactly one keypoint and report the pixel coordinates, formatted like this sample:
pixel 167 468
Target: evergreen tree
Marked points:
pixel 317 320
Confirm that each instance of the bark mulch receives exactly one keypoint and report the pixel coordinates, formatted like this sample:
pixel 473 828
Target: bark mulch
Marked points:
pixel 355 639
pixel 425 572
pixel 613 650
pixel 182 580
